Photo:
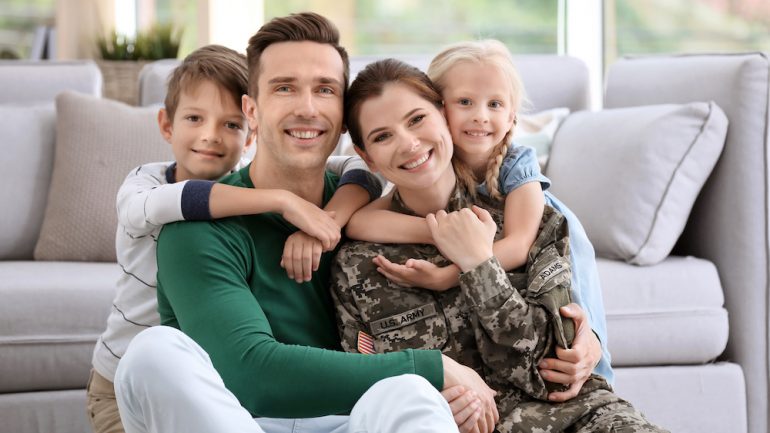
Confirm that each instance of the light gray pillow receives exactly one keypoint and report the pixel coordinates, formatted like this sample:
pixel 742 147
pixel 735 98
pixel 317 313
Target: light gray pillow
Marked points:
pixel 97 142
pixel 27 140
pixel 632 175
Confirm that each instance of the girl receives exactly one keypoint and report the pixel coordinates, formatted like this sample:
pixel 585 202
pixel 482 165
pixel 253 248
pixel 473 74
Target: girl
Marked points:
pixel 482 94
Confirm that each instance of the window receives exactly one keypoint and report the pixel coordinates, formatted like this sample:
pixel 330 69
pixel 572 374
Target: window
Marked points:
pixel 182 13
pixel 23 27
pixel 685 26
pixel 424 26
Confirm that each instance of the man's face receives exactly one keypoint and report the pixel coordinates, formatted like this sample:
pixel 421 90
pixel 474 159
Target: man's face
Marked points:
pixel 298 111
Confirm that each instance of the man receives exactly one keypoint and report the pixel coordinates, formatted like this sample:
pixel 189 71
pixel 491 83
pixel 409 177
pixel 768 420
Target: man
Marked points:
pixel 255 338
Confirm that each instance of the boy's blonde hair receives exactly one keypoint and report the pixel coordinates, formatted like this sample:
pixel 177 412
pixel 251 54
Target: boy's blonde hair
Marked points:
pixel 491 52
pixel 224 67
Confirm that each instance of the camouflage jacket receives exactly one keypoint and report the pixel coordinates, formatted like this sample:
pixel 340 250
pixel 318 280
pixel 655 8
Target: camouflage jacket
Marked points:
pixel 500 324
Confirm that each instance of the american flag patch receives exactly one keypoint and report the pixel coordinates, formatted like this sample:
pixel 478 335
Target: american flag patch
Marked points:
pixel 365 343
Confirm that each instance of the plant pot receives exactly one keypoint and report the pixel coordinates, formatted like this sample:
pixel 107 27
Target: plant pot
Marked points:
pixel 121 79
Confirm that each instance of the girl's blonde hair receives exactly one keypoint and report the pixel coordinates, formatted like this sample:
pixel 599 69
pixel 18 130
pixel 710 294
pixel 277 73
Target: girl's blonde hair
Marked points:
pixel 490 52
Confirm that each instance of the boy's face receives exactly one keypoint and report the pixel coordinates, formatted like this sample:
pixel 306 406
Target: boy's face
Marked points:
pixel 477 99
pixel 298 110
pixel 208 133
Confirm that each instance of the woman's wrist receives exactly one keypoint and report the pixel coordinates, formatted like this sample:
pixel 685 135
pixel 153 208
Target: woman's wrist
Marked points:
pixel 470 261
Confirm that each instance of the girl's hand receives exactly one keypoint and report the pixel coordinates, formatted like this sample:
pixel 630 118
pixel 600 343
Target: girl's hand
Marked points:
pixel 465 236
pixel 419 273
pixel 301 256
pixel 312 220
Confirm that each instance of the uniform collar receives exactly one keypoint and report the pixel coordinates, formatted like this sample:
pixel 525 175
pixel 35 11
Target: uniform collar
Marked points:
pixel 457 200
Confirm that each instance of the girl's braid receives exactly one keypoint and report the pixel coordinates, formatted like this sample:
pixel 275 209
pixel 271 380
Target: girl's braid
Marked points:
pixel 494 164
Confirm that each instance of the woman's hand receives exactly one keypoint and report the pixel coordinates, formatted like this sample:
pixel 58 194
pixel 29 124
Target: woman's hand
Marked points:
pixel 465 236
pixel 419 273
pixel 573 366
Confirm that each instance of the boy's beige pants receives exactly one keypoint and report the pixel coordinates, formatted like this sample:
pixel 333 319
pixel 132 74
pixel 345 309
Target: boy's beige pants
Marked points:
pixel 101 405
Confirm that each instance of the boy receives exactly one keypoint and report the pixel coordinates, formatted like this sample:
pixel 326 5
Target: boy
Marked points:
pixel 208 133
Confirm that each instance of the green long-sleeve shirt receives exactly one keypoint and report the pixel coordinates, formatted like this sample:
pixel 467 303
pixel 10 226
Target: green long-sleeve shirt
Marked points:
pixel 273 341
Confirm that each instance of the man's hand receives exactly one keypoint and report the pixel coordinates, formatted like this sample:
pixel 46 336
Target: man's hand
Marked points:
pixel 456 374
pixel 301 256
pixel 573 366
pixel 465 406
pixel 465 236
pixel 312 220
pixel 419 273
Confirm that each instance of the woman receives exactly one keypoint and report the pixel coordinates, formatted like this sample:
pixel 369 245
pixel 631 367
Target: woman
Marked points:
pixel 394 116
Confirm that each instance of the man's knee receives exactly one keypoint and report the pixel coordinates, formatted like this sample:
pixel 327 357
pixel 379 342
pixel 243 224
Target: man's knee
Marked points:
pixel 155 351
pixel 404 388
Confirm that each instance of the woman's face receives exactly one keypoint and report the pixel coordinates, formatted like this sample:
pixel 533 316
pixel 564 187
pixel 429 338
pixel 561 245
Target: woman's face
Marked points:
pixel 406 138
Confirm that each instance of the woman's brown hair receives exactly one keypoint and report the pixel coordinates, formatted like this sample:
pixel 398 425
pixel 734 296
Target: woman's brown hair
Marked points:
pixel 371 82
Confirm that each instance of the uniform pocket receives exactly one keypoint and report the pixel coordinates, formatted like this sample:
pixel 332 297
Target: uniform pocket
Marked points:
pixel 401 318
pixel 422 327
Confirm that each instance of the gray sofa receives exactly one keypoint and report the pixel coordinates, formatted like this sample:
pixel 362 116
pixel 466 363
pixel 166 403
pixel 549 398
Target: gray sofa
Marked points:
pixel 688 335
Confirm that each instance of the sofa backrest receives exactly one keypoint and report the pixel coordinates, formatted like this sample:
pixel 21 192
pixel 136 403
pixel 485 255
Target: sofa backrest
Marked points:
pixel 729 222
pixel 39 82
pixel 27 129
pixel 153 81
pixel 551 81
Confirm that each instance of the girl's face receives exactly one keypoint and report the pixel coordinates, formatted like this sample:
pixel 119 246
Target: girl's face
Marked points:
pixel 406 138
pixel 478 104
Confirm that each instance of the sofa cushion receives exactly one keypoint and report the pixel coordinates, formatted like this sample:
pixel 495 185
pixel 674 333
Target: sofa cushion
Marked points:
pixel 43 412
pixel 687 399
pixel 641 168
pixel 50 317
pixel 25 175
pixel 97 142
pixel 669 313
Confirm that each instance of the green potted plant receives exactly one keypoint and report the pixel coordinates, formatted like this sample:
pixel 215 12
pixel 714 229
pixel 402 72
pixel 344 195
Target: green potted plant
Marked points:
pixel 122 58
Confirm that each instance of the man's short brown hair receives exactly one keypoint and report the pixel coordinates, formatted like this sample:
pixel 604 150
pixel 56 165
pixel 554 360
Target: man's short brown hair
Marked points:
pixel 221 65
pixel 305 26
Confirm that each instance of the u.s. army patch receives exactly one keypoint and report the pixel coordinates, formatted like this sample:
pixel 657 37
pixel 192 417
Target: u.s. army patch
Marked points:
pixel 402 319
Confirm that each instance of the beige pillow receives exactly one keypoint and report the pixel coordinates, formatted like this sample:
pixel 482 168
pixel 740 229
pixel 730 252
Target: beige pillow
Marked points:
pixel 632 175
pixel 97 142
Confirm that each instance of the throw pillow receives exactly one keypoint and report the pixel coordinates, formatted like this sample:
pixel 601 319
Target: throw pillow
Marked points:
pixel 632 175
pixel 537 130
pixel 27 137
pixel 97 142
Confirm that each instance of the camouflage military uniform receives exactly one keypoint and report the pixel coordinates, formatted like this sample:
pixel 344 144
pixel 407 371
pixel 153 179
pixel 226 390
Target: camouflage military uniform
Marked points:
pixel 501 325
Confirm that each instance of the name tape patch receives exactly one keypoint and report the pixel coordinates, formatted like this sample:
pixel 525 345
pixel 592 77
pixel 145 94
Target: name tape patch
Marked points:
pixel 551 271
pixel 402 319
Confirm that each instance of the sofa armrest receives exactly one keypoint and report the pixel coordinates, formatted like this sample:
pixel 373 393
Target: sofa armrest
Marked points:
pixel 729 222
